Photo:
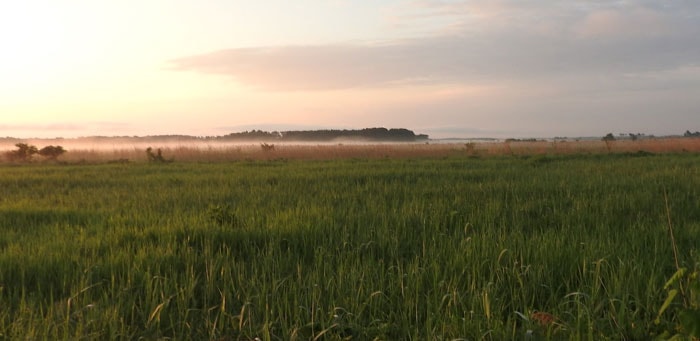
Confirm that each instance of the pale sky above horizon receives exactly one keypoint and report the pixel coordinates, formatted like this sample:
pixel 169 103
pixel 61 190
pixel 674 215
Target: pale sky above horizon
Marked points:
pixel 460 68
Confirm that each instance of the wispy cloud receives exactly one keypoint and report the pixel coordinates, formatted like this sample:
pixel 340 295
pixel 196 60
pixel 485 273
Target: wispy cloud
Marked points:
pixel 60 129
pixel 596 39
pixel 41 127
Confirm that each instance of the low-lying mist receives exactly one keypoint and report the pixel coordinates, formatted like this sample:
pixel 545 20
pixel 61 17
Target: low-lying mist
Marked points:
pixel 122 150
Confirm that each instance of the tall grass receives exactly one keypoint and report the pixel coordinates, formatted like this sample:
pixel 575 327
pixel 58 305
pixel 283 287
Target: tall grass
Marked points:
pixel 221 152
pixel 447 248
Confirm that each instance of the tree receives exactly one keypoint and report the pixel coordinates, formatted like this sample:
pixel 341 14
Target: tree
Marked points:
pixel 609 137
pixel 51 152
pixel 23 153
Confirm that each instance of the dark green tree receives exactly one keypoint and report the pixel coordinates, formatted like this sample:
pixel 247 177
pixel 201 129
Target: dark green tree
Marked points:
pixel 608 139
pixel 51 152
pixel 23 153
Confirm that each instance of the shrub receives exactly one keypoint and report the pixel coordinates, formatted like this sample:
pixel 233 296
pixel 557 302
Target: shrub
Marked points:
pixel 51 152
pixel 23 153
pixel 470 147
pixel 158 157
pixel 225 216
pixel 608 139
pixel 686 285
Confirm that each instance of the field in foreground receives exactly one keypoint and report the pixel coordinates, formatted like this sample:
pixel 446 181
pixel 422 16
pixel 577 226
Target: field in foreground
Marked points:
pixel 459 247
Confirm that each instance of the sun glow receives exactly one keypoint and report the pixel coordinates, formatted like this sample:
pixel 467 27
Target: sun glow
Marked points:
pixel 38 43
pixel 85 60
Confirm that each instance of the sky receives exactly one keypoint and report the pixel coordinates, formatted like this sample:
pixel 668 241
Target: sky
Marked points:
pixel 460 68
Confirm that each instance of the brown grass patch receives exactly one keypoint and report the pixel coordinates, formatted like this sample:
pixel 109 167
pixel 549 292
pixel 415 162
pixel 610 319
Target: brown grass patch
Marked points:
pixel 223 153
pixel 543 319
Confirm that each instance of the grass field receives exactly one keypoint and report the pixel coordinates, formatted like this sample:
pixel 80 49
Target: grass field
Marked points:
pixel 572 246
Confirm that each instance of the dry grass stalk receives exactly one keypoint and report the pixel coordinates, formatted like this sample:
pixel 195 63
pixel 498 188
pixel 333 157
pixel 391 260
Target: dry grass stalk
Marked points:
pixel 233 152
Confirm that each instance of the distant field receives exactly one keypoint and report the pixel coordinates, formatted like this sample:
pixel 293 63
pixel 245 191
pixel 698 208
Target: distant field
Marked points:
pixel 425 242
pixel 220 151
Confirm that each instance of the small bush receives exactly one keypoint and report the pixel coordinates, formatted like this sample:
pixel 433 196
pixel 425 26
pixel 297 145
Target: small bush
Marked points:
pixel 225 216
pixel 686 285
pixel 51 152
pixel 608 139
pixel 23 153
pixel 470 146
pixel 157 157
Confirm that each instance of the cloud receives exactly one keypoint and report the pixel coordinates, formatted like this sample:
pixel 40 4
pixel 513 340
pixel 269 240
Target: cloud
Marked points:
pixel 637 23
pixel 63 128
pixel 447 59
pixel 307 67
pixel 495 41
pixel 41 127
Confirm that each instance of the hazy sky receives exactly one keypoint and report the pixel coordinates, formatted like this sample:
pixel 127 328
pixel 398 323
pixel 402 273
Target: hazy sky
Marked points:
pixel 501 68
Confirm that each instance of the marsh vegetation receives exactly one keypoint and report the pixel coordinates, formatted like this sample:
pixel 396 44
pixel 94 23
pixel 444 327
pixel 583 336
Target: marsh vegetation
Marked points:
pixel 461 246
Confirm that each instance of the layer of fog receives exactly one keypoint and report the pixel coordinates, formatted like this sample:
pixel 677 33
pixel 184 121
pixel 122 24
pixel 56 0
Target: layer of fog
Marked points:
pixel 111 144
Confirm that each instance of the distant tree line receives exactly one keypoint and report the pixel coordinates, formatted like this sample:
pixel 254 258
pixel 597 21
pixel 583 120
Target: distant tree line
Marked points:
pixel 368 134
pixel 689 134
pixel 631 136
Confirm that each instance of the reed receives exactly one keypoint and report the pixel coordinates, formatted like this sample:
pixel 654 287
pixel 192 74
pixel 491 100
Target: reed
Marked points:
pixel 238 152
pixel 361 246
